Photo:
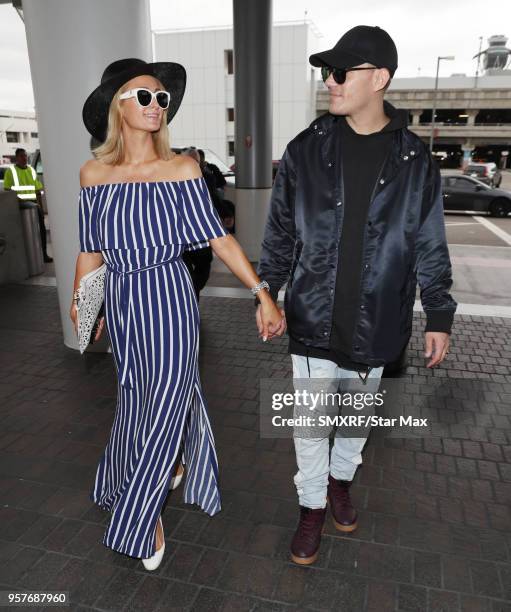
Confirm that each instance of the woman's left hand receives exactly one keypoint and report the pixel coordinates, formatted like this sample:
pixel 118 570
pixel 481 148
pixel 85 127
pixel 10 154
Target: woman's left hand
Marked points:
pixel 100 329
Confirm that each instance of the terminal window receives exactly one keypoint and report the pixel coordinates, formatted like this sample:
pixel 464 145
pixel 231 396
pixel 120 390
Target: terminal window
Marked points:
pixel 229 61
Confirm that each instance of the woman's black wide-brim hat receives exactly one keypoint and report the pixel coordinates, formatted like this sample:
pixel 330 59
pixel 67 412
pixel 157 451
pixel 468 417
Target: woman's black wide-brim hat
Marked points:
pixel 95 110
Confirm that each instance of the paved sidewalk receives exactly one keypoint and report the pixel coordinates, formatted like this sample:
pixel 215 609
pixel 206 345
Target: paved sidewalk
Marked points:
pixel 435 521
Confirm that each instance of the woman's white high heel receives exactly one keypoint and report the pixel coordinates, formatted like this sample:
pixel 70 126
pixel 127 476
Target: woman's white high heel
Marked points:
pixel 154 561
pixel 175 481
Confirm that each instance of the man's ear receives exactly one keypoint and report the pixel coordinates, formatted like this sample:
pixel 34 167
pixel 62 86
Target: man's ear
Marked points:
pixel 382 79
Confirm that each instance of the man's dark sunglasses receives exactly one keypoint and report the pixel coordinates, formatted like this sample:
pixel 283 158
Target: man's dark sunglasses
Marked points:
pixel 339 74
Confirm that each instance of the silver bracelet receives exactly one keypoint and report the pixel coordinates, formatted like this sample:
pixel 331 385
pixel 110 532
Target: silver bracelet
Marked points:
pixel 263 284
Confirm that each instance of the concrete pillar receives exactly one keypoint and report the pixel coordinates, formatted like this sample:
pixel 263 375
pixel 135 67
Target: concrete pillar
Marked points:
pixel 416 115
pixel 70 43
pixel 252 28
pixel 467 148
pixel 472 114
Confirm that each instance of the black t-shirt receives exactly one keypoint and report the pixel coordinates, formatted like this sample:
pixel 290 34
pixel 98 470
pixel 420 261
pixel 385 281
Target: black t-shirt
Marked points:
pixel 363 156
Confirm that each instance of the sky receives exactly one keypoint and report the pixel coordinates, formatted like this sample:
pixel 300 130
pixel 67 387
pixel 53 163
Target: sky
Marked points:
pixel 422 30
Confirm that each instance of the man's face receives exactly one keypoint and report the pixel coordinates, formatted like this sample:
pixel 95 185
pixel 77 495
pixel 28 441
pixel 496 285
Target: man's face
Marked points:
pixel 357 91
pixel 22 159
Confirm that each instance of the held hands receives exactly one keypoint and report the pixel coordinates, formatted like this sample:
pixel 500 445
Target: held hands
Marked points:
pixel 270 319
pixel 436 347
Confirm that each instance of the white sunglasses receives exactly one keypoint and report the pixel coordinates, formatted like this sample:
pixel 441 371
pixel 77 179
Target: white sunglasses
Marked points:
pixel 144 97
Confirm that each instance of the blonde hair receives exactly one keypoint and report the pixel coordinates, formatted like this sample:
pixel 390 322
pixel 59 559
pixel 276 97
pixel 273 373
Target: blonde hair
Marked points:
pixel 111 151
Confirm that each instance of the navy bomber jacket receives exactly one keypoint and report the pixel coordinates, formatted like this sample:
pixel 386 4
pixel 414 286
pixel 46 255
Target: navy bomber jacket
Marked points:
pixel 404 243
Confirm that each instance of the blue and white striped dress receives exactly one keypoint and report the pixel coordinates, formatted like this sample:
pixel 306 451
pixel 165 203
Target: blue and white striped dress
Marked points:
pixel 152 319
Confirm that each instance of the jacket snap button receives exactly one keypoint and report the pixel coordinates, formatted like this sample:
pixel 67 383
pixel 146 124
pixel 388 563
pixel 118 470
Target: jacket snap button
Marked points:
pixel 412 152
pixel 339 203
pixel 331 291
pixel 329 164
pixel 325 333
pixel 362 306
pixel 405 157
pixel 382 181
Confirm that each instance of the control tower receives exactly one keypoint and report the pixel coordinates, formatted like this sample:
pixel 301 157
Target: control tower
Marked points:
pixel 496 57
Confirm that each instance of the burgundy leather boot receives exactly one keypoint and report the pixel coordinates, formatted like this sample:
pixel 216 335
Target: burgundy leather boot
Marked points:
pixel 307 538
pixel 344 514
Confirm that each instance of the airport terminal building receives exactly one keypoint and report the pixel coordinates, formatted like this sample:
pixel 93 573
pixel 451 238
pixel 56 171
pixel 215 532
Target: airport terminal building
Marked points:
pixel 206 117
pixel 18 129
pixel 472 118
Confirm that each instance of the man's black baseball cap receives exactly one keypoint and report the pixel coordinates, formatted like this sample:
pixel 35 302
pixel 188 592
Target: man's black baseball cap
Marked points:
pixel 360 44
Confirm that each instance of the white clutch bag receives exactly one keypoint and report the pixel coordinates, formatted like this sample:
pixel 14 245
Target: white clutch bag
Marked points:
pixel 90 300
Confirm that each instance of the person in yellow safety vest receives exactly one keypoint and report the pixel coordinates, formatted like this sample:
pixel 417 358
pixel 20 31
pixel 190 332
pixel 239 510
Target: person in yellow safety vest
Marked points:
pixel 22 178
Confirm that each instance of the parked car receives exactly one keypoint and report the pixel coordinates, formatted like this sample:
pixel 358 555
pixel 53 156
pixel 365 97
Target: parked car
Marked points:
pixel 467 193
pixel 486 172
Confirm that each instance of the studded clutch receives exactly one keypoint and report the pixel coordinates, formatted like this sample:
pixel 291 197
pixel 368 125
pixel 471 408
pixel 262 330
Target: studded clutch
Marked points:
pixel 91 293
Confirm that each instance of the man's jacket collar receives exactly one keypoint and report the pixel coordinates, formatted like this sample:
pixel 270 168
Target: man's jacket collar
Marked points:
pixel 404 149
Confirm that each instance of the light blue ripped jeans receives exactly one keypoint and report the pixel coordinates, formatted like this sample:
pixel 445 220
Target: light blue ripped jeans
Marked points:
pixel 312 454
